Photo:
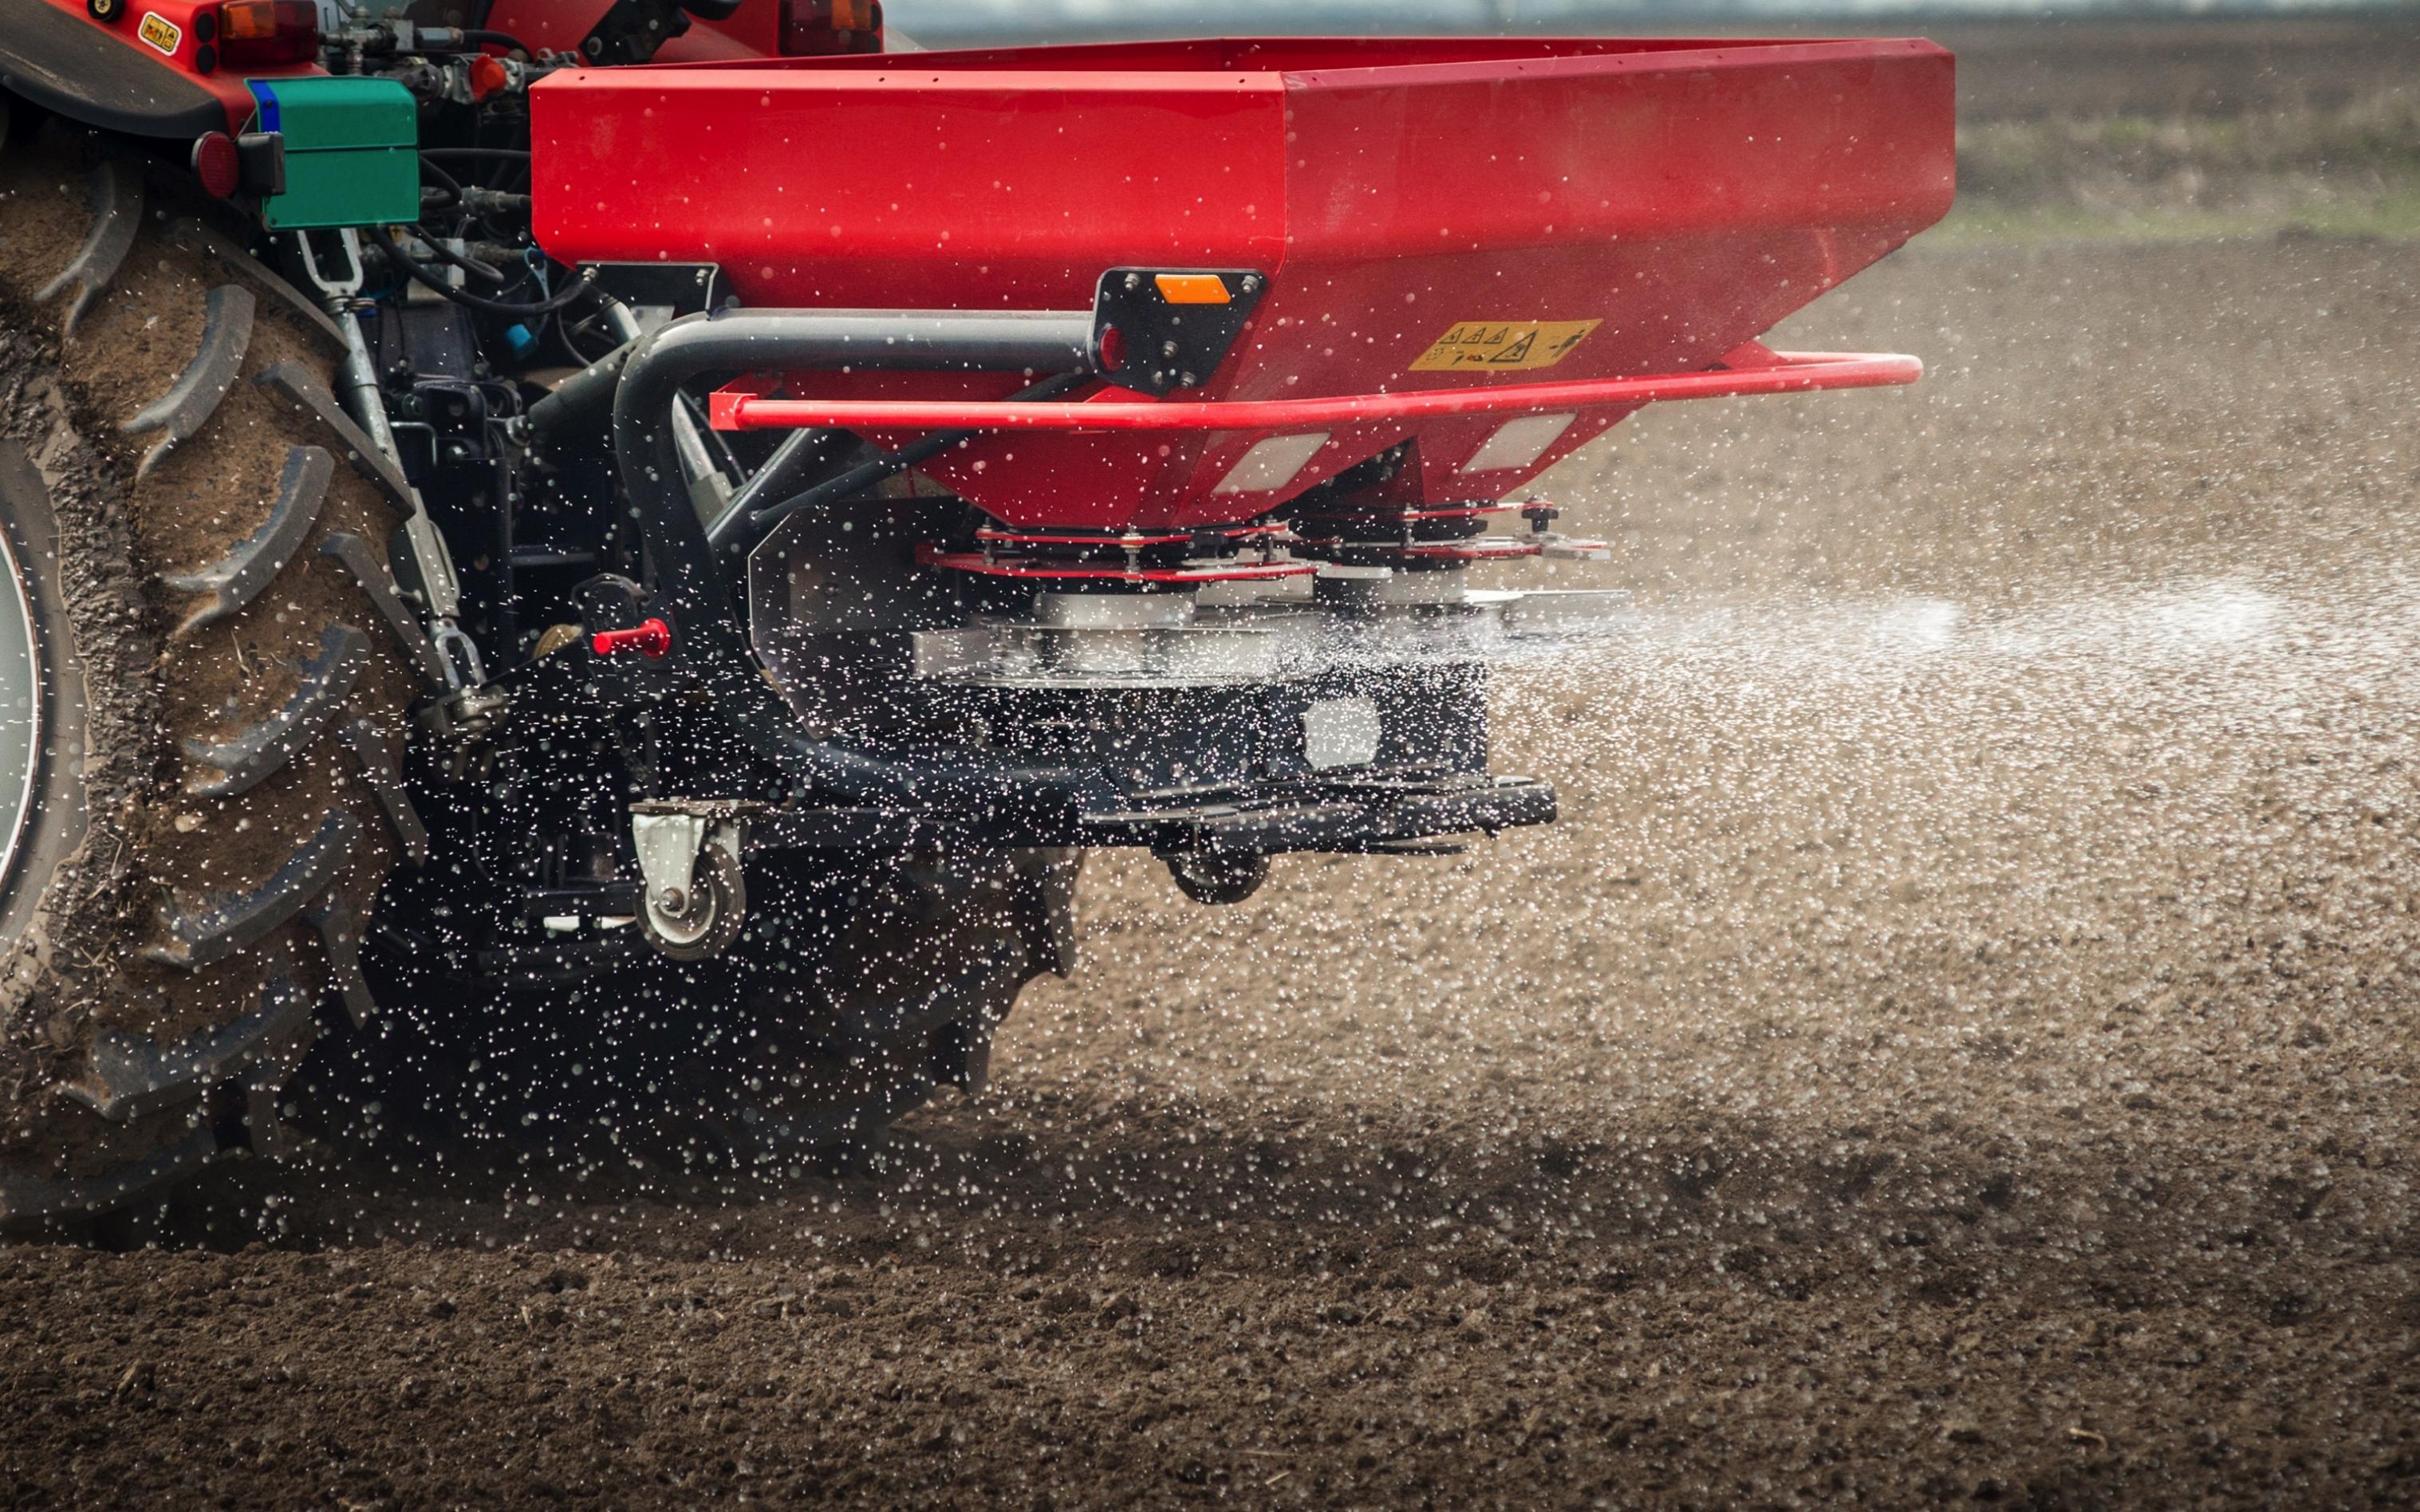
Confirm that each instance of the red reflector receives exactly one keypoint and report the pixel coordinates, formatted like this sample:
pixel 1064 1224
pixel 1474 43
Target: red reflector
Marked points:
pixel 652 640
pixel 255 33
pixel 217 165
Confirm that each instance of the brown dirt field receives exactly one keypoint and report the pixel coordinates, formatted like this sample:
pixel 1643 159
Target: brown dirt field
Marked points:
pixel 1961 1043
pixel 2215 66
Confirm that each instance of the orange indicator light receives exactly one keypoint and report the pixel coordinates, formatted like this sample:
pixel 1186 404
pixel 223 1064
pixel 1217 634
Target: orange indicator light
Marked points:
pixel 1192 288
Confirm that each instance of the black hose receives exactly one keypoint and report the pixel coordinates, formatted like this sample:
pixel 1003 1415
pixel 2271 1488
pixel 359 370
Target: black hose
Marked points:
pixel 579 402
pixel 445 181
pixel 570 348
pixel 428 280
pixel 468 265
pixel 481 36
pixel 509 157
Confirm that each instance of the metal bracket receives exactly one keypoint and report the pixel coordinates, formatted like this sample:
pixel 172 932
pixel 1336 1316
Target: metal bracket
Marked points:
pixel 439 586
pixel 463 723
pixel 345 283
pixel 457 651
pixel 1171 329
pixel 660 292
pixel 632 30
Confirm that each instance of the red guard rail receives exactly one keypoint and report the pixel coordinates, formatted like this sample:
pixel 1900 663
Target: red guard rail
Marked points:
pixel 1758 371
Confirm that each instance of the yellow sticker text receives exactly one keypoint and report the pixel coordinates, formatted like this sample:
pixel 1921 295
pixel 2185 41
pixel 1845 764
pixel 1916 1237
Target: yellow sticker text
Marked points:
pixel 1503 346
pixel 160 31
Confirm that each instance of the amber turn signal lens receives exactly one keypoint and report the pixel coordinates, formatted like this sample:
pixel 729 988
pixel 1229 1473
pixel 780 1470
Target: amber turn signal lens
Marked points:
pixel 260 33
pixel 1192 288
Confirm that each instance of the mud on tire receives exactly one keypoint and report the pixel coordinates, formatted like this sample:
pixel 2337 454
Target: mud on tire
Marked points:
pixel 216 692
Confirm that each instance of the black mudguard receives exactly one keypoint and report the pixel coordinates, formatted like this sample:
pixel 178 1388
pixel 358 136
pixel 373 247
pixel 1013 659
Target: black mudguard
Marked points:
pixel 66 64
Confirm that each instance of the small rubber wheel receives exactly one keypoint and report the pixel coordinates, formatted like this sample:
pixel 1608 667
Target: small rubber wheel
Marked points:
pixel 710 913
pixel 1219 876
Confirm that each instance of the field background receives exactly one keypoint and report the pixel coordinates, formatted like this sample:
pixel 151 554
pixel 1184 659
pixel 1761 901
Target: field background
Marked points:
pixel 1959 1044
pixel 2185 129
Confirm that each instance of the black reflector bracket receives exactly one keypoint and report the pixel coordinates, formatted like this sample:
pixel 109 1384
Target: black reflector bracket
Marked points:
pixel 1156 330
pixel 632 30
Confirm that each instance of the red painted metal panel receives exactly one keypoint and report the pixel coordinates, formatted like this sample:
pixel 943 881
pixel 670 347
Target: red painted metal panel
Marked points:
pixel 835 188
pixel 1684 196
pixel 224 84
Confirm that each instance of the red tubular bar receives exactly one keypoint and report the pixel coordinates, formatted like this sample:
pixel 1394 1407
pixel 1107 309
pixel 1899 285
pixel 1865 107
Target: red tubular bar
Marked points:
pixel 1788 373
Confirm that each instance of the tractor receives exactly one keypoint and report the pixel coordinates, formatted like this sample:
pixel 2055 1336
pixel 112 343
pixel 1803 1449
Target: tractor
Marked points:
pixel 622 552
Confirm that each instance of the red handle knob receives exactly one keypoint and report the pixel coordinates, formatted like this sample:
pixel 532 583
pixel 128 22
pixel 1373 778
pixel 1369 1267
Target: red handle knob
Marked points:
pixel 652 640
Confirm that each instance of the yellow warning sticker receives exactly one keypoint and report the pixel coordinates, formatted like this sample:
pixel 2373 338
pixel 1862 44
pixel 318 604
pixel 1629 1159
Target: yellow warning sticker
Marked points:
pixel 160 31
pixel 1503 346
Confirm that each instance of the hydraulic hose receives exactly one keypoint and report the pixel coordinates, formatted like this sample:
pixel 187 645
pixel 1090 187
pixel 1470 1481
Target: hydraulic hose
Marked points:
pixel 579 404
pixel 404 264
pixel 489 36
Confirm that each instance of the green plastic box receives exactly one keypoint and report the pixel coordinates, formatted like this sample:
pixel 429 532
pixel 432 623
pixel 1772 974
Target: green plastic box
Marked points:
pixel 352 151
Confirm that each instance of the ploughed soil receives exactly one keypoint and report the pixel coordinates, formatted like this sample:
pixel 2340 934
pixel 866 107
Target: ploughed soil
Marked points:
pixel 1959 1043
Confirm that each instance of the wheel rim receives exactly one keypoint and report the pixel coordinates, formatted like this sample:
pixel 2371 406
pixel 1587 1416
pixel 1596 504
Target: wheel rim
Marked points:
pixel 21 710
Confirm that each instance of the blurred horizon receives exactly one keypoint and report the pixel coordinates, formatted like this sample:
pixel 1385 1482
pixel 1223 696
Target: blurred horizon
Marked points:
pixel 936 22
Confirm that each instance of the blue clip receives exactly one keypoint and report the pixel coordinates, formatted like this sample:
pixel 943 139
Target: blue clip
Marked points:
pixel 265 98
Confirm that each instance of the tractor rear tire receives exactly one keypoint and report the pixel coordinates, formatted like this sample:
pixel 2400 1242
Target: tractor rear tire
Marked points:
pixel 199 689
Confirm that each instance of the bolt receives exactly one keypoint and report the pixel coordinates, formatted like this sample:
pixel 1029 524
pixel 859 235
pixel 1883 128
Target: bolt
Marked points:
pixel 1134 280
pixel 1251 283
pixel 673 900
pixel 1168 348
